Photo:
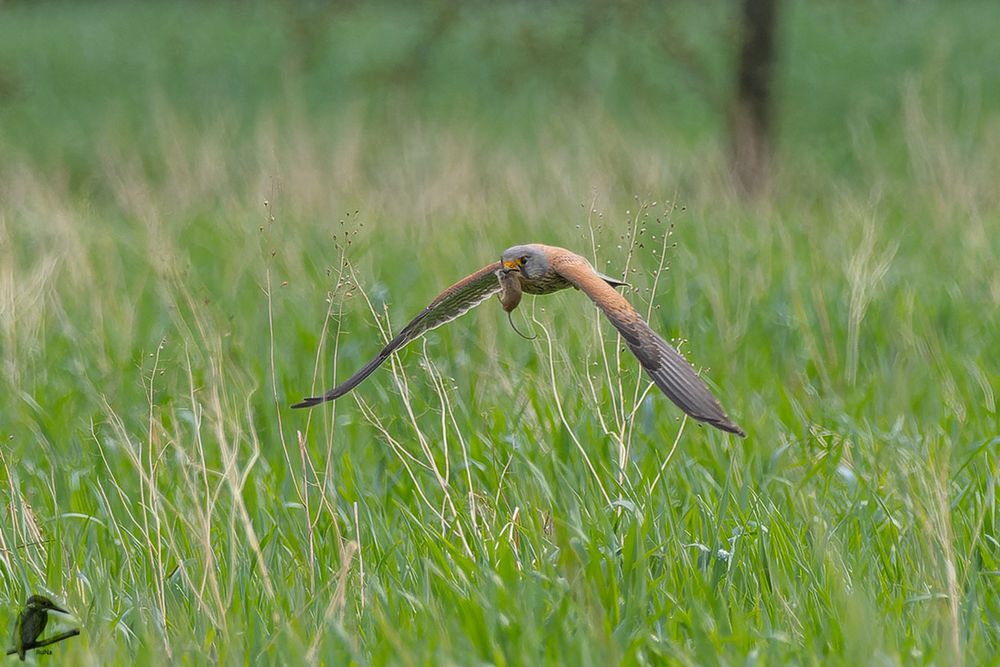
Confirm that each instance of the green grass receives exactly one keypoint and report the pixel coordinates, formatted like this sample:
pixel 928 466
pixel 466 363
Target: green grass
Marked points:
pixel 485 499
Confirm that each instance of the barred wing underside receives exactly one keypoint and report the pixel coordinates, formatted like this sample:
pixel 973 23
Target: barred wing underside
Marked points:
pixel 450 304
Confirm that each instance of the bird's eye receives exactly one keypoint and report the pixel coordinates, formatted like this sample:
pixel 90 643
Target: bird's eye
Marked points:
pixel 523 260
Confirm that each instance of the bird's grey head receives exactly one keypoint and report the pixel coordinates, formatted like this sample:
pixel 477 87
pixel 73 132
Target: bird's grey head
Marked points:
pixel 530 260
pixel 42 602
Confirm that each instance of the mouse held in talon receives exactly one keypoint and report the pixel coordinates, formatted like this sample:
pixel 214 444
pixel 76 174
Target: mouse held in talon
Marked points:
pixel 510 289
pixel 510 296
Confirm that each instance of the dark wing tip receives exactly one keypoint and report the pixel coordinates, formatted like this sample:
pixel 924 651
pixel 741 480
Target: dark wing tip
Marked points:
pixel 310 402
pixel 730 426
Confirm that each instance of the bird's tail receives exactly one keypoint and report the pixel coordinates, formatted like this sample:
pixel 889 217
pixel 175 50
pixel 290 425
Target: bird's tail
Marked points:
pixel 614 282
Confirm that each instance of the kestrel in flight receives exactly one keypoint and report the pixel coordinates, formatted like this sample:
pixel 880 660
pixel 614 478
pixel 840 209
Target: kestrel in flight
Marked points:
pixel 541 269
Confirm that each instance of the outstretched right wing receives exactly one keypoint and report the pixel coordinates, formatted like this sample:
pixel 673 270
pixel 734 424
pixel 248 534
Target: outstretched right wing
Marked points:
pixel 449 304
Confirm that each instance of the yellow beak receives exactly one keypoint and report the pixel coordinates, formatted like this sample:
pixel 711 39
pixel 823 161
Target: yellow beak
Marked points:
pixel 511 265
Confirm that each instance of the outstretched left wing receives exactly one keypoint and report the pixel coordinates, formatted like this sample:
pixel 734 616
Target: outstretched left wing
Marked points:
pixel 457 300
pixel 669 369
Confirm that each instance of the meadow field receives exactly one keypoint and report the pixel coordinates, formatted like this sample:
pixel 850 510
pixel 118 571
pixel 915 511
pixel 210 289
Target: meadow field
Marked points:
pixel 209 211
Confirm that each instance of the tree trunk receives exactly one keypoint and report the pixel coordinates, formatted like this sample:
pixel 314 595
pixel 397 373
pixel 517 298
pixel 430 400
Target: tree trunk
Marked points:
pixel 751 119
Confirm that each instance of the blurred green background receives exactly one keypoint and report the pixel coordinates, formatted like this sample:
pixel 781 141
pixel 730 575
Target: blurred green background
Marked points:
pixel 211 210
